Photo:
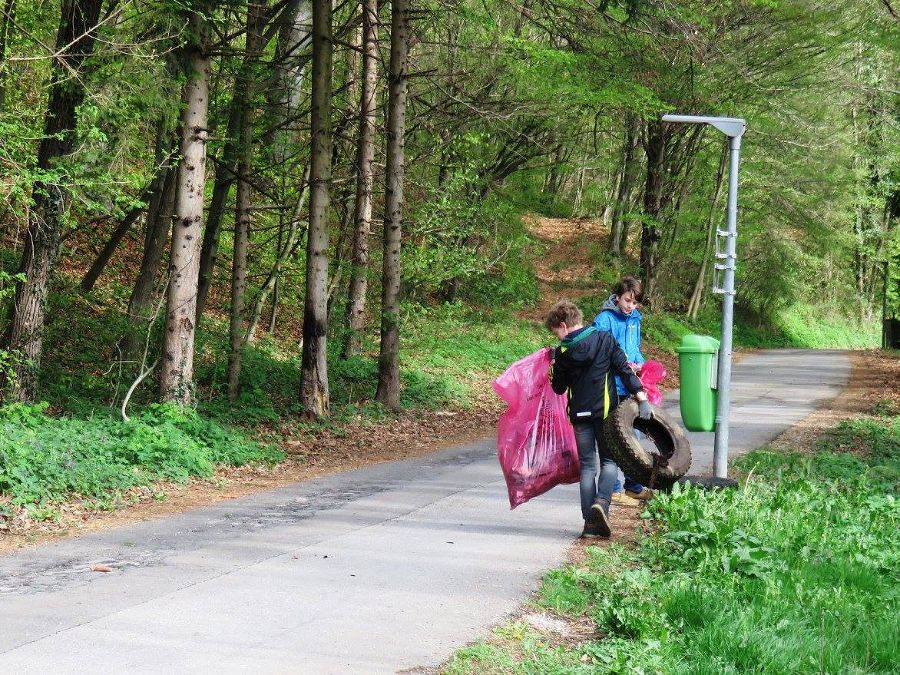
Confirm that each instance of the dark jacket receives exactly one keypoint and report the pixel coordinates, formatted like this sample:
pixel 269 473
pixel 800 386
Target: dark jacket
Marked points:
pixel 585 364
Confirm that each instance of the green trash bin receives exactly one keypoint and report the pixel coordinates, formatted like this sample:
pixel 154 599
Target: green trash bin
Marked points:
pixel 698 358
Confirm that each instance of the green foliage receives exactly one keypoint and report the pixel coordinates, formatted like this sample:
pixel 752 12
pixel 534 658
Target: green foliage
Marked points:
pixel 886 408
pixel 46 459
pixel 459 237
pixel 8 359
pixel 806 326
pixel 800 326
pixel 766 578
pixel 460 340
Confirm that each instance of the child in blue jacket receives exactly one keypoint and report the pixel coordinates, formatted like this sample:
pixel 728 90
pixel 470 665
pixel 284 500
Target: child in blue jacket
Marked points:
pixel 621 317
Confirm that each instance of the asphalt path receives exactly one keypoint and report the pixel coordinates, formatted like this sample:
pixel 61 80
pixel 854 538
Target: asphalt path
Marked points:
pixel 385 569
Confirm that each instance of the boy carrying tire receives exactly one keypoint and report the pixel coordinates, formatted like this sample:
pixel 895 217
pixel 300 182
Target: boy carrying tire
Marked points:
pixel 585 364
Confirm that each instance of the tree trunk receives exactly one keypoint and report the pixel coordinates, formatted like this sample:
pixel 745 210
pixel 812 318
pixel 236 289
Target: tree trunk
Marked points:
pixel 697 295
pixel 556 174
pixel 284 96
pixel 650 232
pixel 103 258
pixel 276 299
pixel 609 207
pixel 890 276
pixel 522 17
pixel 388 392
pixel 365 156
pixel 177 373
pixel 244 91
pixel 314 395
pixel 74 43
pixel 159 223
pixel 630 166
pixel 9 16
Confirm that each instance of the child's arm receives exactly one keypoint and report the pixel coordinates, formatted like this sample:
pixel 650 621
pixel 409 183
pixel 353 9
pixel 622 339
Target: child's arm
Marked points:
pixel 640 354
pixel 559 379
pixel 603 322
pixel 619 365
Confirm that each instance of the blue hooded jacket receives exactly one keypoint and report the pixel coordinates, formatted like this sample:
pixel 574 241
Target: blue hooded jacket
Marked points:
pixel 626 329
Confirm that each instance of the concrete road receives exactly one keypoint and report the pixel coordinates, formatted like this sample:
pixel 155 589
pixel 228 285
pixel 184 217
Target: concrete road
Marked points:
pixel 385 569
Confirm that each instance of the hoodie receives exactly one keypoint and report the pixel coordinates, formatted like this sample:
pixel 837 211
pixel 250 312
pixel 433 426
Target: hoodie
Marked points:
pixel 626 329
pixel 585 363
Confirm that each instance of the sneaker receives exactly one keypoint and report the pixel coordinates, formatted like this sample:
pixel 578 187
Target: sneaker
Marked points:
pixel 644 494
pixel 601 520
pixel 592 530
pixel 621 499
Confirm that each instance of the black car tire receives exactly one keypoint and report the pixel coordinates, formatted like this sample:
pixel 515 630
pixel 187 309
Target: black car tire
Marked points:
pixel 633 458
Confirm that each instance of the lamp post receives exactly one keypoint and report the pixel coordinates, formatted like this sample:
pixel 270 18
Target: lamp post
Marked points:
pixel 726 261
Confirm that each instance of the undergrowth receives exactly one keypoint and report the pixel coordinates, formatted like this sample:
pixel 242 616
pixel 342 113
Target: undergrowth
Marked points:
pixel 795 572
pixel 46 459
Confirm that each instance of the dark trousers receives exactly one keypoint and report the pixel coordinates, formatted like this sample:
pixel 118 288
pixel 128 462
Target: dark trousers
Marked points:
pixel 598 470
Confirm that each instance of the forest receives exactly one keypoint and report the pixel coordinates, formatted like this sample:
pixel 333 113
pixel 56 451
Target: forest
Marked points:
pixel 244 212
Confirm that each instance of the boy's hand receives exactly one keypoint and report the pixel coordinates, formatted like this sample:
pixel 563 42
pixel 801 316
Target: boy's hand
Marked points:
pixel 644 411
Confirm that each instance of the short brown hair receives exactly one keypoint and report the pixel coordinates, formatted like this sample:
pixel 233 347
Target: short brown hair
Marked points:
pixel 564 312
pixel 630 284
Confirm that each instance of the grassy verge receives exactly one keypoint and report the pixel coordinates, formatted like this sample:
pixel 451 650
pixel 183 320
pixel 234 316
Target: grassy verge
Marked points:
pixel 45 459
pixel 795 572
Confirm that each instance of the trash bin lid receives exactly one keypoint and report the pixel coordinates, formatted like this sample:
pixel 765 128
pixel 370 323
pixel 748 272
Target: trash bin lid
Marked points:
pixel 698 344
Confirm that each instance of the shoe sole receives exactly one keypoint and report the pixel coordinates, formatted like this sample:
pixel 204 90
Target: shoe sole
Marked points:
pixel 601 520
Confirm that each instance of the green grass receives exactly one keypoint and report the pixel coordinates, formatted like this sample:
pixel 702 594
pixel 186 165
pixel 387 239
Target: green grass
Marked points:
pixel 807 326
pixel 795 572
pixel 457 341
pixel 445 351
pixel 799 327
pixel 46 459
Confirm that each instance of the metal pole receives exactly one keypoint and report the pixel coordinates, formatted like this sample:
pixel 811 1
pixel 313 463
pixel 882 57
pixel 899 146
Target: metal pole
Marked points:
pixel 720 452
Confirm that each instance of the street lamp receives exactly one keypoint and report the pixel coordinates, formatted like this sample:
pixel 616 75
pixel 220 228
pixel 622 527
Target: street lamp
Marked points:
pixel 734 128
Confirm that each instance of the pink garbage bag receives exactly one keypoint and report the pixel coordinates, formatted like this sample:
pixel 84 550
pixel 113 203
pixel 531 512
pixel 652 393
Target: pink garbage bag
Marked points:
pixel 652 373
pixel 535 441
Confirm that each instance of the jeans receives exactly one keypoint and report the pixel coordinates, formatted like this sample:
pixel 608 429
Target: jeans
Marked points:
pixel 592 453
pixel 630 484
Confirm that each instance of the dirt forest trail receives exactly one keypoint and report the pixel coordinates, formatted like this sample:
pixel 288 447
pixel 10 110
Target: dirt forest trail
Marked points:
pixel 567 254
pixel 570 263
